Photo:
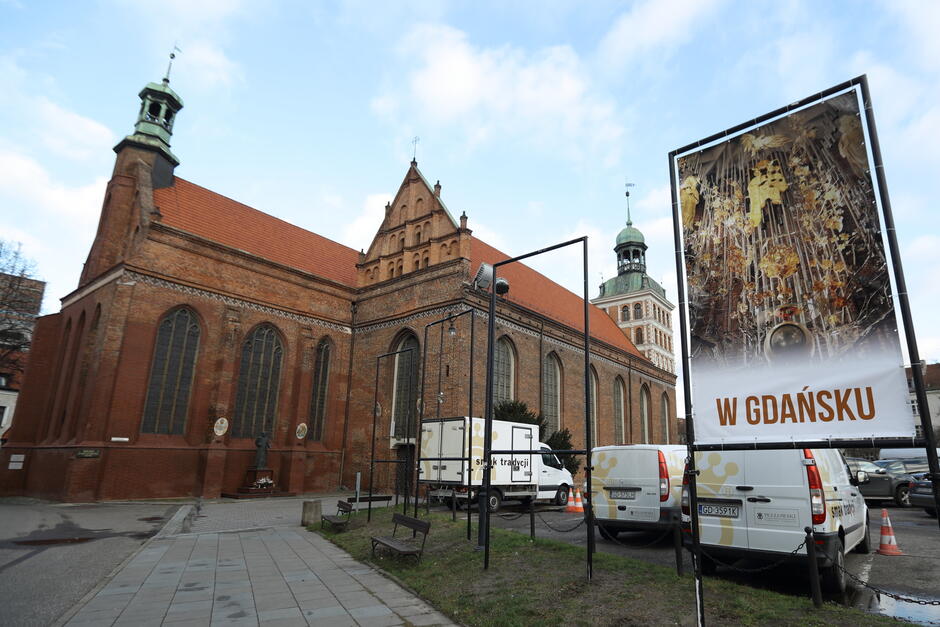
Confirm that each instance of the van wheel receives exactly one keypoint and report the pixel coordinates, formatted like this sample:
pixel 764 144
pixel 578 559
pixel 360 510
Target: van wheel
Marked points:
pixel 561 497
pixel 606 533
pixel 902 496
pixel 833 578
pixel 495 500
pixel 864 546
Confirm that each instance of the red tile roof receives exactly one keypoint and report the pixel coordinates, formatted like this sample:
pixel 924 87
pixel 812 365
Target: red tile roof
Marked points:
pixel 197 210
pixel 536 292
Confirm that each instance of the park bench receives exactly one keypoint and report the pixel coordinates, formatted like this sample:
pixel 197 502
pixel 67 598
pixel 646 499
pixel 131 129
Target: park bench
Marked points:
pixel 341 519
pixel 400 546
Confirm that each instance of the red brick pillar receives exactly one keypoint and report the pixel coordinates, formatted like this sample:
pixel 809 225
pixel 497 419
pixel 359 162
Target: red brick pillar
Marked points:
pixel 214 473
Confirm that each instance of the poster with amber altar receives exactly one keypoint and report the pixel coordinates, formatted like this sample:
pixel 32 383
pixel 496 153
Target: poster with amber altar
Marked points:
pixel 792 327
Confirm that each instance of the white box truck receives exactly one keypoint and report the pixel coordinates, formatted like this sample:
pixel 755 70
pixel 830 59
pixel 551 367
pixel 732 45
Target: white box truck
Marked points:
pixel 535 474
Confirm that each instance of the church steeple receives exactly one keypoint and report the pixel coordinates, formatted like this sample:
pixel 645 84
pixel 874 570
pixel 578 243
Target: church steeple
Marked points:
pixel 630 246
pixel 158 108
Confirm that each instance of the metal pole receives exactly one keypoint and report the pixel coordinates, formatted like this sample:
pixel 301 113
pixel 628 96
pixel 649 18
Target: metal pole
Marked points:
pixel 375 411
pixel 918 377
pixel 424 373
pixel 588 426
pixel 488 425
pixel 410 415
pixel 686 387
pixel 467 425
pixel 813 567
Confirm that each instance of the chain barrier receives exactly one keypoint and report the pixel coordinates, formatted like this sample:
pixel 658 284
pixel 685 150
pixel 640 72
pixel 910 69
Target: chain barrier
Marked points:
pixel 547 524
pixel 512 516
pixel 879 591
pixel 759 569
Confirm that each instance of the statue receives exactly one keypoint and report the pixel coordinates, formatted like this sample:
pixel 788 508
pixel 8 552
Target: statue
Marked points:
pixel 263 442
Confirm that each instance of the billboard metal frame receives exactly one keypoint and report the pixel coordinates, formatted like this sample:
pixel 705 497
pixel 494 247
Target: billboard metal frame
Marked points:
pixel 928 441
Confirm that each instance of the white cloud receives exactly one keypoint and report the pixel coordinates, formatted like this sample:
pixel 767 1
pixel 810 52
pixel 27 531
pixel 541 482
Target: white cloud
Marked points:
pixel 360 232
pixel 922 19
pixel 28 182
pixel 208 66
pixel 652 27
pixel 71 135
pixel 544 97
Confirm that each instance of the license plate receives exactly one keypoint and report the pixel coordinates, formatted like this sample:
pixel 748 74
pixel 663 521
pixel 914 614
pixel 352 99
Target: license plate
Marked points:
pixel 624 495
pixel 719 510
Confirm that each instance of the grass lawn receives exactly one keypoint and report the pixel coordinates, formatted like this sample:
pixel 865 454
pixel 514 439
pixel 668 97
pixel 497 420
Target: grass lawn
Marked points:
pixel 544 582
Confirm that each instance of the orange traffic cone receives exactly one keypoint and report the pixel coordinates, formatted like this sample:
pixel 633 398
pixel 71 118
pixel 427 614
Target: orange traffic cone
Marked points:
pixel 889 546
pixel 575 506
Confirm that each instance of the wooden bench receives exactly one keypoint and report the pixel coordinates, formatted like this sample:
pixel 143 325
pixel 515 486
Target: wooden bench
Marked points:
pixel 341 519
pixel 400 546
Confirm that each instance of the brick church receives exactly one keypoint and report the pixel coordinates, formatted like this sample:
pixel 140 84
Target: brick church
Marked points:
pixel 199 322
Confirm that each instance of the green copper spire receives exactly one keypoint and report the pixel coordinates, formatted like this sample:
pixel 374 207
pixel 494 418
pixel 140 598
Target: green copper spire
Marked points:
pixel 158 108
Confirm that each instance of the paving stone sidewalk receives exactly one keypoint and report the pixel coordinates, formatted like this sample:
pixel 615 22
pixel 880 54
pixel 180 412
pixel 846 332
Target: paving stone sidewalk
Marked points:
pixel 274 576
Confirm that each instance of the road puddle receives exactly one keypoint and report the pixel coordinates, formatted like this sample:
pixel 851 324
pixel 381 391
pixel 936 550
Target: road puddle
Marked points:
pixel 906 610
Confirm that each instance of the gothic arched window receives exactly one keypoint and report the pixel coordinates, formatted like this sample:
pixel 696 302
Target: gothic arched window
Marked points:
pixel 259 380
pixel 618 411
pixel 665 412
pixel 551 392
pixel 171 373
pixel 638 311
pixel 625 313
pixel 321 377
pixel 595 440
pixel 405 387
pixel 504 370
pixel 638 335
pixel 645 413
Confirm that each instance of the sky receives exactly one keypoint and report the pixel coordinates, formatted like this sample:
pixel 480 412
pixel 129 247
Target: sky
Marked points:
pixel 532 115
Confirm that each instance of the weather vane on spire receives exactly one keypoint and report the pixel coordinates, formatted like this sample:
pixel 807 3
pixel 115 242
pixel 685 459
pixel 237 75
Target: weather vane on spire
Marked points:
pixel 414 143
pixel 166 79
pixel 627 184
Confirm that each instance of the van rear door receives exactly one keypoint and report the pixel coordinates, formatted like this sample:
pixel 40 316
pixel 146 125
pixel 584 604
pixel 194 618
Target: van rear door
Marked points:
pixel 634 491
pixel 776 500
pixel 431 450
pixel 721 509
pixel 452 445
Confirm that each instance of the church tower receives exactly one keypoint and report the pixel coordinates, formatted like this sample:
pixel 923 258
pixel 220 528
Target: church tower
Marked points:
pixel 636 302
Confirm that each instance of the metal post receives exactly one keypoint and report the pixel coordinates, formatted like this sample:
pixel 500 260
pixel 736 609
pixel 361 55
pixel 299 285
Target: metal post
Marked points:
pixel 917 376
pixel 532 519
pixel 813 567
pixel 466 431
pixel 409 423
pixel 686 387
pixel 677 543
pixel 375 411
pixel 588 423
pixel 358 489
pixel 424 373
pixel 488 426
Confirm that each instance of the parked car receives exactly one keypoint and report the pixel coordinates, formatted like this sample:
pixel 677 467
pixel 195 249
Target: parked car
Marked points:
pixel 909 465
pixel 922 496
pixel 885 482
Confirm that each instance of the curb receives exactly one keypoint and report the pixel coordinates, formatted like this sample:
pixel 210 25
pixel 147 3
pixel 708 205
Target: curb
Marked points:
pixel 181 514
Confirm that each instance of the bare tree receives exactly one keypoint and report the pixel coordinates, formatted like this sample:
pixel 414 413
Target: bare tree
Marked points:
pixel 20 302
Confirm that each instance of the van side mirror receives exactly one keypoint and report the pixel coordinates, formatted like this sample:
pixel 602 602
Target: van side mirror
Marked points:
pixel 881 471
pixel 861 477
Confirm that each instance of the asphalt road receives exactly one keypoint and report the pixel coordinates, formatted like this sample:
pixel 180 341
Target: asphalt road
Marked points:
pixel 915 574
pixel 52 554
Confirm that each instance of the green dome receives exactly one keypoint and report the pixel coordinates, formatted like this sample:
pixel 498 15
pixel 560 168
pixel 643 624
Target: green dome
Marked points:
pixel 630 235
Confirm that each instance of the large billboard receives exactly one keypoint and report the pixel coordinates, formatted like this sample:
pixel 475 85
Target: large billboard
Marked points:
pixel 792 328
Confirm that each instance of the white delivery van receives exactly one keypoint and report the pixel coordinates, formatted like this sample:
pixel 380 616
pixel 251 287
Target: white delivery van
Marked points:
pixel 756 504
pixel 636 487
pixel 536 474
